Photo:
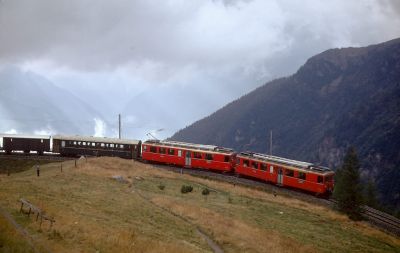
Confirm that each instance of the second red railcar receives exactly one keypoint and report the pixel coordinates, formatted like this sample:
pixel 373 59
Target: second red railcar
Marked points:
pixel 286 172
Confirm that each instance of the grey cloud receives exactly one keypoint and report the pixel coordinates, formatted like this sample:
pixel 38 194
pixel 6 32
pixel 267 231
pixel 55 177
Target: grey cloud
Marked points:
pixel 93 35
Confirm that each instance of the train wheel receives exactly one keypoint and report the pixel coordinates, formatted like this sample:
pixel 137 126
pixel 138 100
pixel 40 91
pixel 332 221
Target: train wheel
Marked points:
pixel 27 151
pixel 8 152
pixel 40 152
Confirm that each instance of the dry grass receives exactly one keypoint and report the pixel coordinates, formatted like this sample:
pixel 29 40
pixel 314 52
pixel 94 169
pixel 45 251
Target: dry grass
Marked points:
pixel 94 212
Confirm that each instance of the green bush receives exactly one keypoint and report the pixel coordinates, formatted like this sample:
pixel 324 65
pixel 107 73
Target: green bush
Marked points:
pixel 161 187
pixel 186 188
pixel 205 191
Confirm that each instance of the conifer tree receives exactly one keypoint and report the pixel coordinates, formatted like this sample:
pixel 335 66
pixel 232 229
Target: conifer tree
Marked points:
pixel 348 188
pixel 370 195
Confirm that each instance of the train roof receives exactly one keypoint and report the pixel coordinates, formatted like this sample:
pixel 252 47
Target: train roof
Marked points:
pixel 287 162
pixel 193 146
pixel 25 136
pixel 95 139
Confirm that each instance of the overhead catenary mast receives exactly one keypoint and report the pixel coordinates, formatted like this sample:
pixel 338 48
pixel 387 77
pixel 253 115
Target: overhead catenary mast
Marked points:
pixel 119 126
pixel 270 143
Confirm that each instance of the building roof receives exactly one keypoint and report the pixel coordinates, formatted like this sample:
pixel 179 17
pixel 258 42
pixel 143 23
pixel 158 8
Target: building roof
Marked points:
pixel 95 139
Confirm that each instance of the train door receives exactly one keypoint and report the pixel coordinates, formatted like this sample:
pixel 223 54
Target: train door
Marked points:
pixel 280 176
pixel 188 159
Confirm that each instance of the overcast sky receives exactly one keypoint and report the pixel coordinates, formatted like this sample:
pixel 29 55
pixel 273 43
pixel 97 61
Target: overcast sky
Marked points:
pixel 211 51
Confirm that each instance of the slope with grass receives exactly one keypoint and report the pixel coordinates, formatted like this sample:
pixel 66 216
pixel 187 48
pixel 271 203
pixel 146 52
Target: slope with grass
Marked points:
pixel 148 213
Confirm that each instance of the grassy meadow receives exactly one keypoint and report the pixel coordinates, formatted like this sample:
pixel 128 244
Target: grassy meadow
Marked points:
pixel 148 213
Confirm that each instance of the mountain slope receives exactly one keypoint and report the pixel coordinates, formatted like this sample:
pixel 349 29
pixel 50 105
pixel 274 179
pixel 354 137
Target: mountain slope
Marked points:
pixel 339 98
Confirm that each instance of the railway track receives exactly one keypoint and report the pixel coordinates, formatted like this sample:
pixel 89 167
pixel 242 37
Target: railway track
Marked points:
pixel 378 218
pixel 46 156
pixel 381 219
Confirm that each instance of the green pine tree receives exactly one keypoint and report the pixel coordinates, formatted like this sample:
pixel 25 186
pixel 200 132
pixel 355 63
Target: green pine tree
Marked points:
pixel 370 195
pixel 348 188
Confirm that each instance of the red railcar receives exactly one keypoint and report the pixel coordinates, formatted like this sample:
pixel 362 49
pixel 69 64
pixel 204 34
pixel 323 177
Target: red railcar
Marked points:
pixel 189 155
pixel 286 172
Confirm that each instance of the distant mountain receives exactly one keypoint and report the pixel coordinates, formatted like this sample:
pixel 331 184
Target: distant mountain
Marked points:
pixel 29 103
pixel 341 97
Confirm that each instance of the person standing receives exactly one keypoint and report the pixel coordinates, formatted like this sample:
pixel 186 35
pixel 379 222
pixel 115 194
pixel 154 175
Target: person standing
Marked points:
pixel 37 170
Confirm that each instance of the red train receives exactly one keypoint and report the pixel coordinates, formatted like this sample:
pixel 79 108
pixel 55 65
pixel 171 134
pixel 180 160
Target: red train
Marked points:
pixel 276 170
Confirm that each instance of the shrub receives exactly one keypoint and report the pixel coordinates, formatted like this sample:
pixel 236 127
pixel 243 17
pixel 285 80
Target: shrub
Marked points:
pixel 205 191
pixel 186 188
pixel 161 187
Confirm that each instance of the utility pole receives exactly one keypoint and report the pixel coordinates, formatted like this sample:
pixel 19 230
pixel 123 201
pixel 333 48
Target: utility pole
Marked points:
pixel 119 126
pixel 270 143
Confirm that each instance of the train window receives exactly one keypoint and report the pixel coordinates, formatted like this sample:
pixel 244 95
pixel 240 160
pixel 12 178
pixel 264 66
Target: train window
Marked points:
pixel 302 175
pixel 289 173
pixel 319 179
pixel 179 152
pixel 84 143
pixel 102 145
pixel 238 160
pixel 197 155
pixel 93 144
pixel 246 163
pixel 41 140
pixel 209 156
pixel 111 145
pixel 153 149
pixel 171 151
pixel 62 143
pixel 271 169
pixel 254 165
pixel 163 150
pixel 144 148
pixel 74 142
pixel 263 167
pixel 121 146
pixel 227 159
pixel 328 179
